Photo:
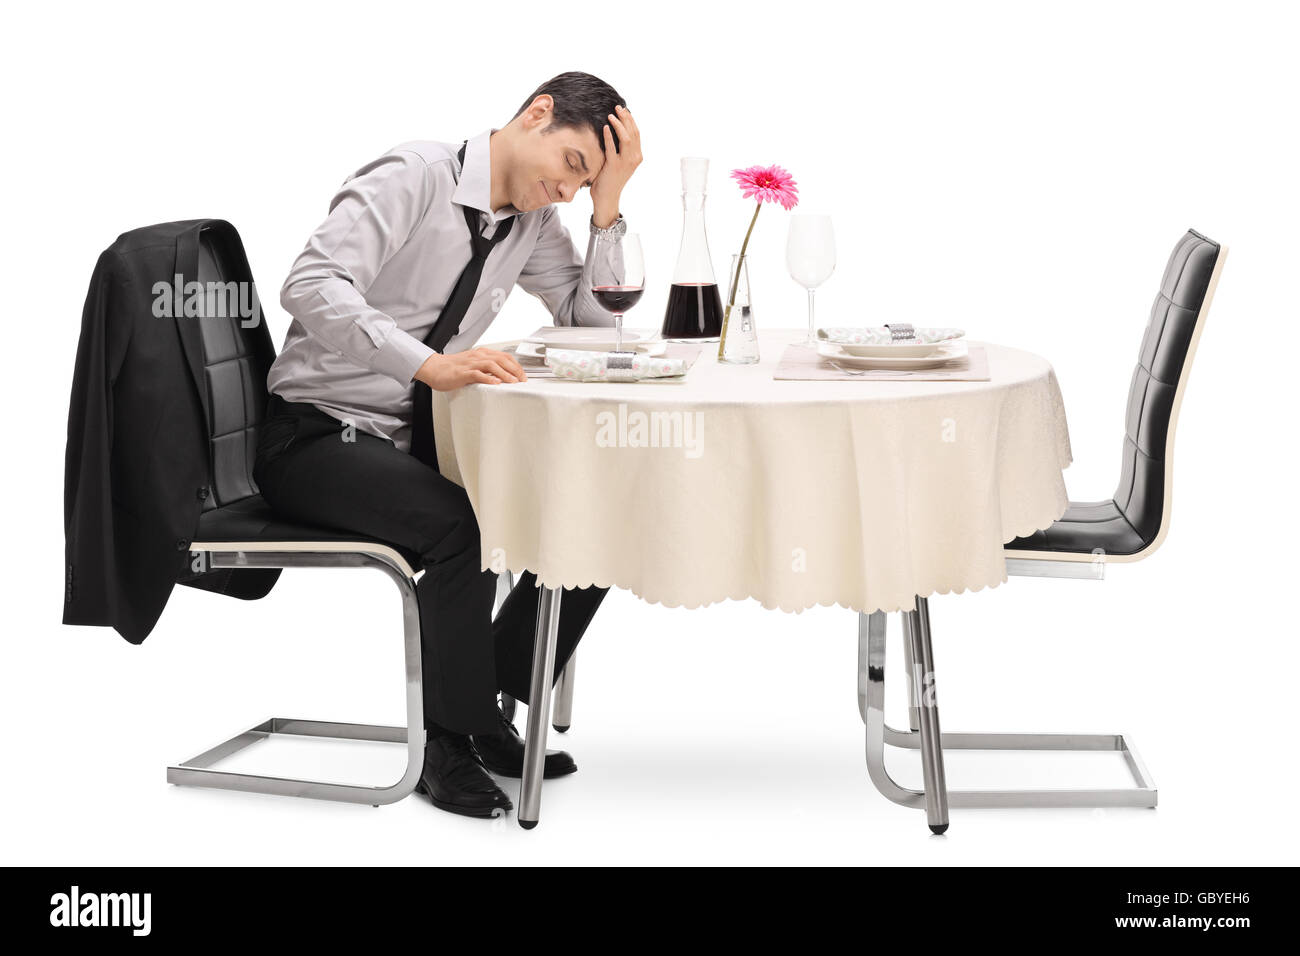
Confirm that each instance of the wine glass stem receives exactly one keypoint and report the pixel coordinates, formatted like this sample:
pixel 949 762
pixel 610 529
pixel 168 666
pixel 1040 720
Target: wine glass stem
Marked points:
pixel 618 331
pixel 812 325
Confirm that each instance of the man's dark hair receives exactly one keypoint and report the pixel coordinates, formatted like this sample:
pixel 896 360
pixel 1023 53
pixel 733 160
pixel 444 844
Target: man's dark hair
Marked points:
pixel 580 100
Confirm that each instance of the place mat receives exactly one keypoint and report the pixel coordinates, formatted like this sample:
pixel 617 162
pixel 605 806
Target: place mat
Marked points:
pixel 802 363
pixel 536 368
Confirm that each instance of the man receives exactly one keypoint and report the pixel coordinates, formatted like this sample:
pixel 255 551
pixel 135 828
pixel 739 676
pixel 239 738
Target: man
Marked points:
pixel 346 441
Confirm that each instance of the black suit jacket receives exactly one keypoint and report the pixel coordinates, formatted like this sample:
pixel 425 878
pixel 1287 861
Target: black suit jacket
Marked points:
pixel 137 460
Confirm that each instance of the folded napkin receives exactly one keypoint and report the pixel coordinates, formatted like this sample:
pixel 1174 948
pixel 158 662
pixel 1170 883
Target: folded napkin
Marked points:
pixel 582 366
pixel 883 336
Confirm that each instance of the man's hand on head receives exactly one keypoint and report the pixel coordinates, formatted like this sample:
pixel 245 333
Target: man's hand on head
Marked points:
pixel 442 373
pixel 620 163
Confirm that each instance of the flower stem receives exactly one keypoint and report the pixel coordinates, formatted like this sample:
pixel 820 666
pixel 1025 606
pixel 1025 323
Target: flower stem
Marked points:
pixel 735 280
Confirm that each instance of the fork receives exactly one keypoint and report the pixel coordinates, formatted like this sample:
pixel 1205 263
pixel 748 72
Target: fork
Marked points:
pixel 864 371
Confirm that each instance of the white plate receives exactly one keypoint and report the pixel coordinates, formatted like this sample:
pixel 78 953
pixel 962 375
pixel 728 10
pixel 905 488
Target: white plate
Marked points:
pixel 945 352
pixel 919 350
pixel 596 339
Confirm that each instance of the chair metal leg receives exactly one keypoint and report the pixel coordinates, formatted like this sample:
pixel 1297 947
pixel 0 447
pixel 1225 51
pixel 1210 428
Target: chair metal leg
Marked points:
pixel 878 620
pixel 871 703
pixel 539 706
pixel 198 771
pixel 563 719
pixel 871 634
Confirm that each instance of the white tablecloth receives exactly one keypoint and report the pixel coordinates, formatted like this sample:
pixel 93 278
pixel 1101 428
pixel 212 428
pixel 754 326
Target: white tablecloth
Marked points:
pixel 732 485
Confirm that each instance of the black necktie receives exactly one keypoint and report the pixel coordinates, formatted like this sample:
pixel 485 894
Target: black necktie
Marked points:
pixel 448 324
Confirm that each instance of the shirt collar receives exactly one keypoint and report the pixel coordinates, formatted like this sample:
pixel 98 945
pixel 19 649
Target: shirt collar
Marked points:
pixel 475 186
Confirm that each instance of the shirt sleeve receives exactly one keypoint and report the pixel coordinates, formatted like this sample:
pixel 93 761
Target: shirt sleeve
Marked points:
pixel 370 218
pixel 560 277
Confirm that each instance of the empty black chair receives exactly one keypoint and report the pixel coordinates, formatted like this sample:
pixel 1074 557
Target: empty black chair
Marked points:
pixel 1134 521
pixel 1128 527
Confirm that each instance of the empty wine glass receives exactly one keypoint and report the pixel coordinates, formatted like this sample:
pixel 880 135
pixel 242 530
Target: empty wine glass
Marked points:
pixel 810 257
pixel 618 277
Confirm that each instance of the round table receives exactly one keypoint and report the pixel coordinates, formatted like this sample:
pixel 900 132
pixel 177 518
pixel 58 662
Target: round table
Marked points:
pixel 730 484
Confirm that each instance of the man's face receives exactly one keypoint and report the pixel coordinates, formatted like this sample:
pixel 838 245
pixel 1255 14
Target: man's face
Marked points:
pixel 555 165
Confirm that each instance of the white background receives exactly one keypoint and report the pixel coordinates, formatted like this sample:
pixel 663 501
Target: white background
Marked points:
pixel 1020 170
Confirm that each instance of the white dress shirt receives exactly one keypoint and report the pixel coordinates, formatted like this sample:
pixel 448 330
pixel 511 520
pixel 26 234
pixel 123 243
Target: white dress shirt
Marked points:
pixel 378 271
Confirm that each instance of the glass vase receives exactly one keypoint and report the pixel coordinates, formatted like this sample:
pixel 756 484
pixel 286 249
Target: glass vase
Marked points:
pixel 738 344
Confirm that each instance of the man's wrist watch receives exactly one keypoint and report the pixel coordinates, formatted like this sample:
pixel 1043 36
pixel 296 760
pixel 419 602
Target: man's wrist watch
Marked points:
pixel 615 230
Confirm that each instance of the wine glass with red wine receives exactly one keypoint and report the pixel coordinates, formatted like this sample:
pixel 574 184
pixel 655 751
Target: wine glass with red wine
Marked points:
pixel 618 277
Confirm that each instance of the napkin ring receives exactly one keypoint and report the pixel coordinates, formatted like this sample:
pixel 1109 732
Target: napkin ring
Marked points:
pixel 901 331
pixel 619 360
pixel 619 367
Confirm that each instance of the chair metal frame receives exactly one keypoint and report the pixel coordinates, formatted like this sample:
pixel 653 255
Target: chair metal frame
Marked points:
pixel 923 712
pixel 925 734
pixel 199 771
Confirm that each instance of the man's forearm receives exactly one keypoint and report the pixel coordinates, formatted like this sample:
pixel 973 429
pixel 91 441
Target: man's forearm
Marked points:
pixel 605 214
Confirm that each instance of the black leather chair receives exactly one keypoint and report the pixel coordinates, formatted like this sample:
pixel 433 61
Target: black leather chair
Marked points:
pixel 238 530
pixel 1127 527
pixel 1135 520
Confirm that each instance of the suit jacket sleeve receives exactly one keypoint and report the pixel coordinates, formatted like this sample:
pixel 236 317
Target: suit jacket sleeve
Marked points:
pixel 91 587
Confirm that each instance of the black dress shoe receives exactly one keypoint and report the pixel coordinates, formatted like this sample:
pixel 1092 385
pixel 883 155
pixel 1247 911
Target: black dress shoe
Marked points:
pixel 503 754
pixel 455 779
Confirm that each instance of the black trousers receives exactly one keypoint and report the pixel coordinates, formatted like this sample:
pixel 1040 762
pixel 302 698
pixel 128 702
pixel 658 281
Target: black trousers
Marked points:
pixel 312 470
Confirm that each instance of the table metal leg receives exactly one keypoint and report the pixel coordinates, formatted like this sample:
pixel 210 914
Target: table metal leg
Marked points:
pixel 564 696
pixel 506 584
pixel 539 706
pixel 927 707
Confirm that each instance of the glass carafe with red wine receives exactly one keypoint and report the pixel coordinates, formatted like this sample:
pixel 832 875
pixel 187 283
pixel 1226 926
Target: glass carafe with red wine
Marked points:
pixel 618 277
pixel 694 310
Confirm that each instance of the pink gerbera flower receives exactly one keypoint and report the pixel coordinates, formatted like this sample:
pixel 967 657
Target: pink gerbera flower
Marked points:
pixel 768 184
